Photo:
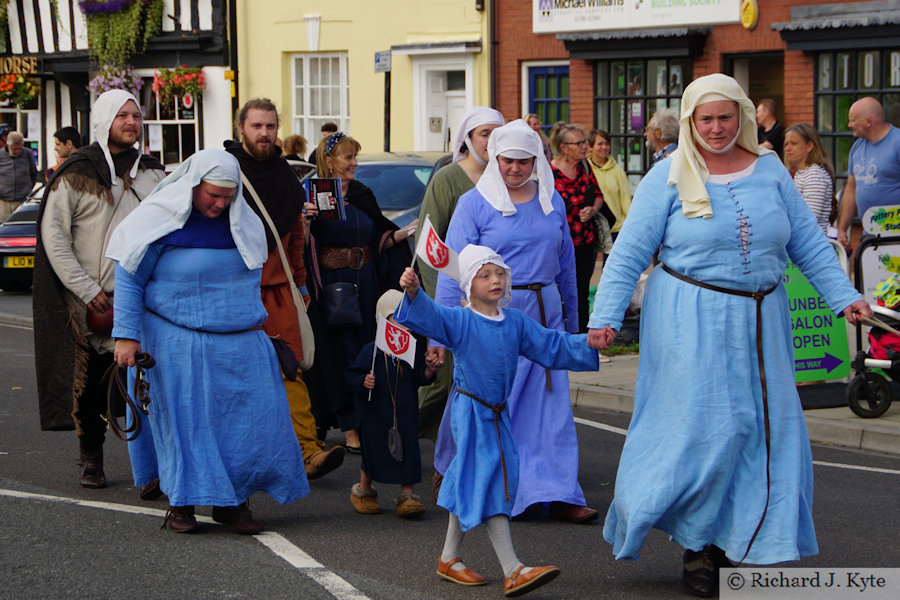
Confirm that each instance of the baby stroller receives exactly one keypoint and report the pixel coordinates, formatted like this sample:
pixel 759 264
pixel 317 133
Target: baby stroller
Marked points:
pixel 869 393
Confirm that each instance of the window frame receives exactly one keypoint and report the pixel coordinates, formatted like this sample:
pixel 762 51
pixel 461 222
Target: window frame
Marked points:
pixel 309 125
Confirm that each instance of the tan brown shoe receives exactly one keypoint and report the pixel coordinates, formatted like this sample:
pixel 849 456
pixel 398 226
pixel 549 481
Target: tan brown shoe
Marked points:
pixel 409 506
pixel 365 502
pixel 239 518
pixel 323 462
pixel 522 583
pixel 563 511
pixel 461 576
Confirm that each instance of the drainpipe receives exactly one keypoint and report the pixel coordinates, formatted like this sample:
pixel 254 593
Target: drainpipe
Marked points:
pixel 233 52
pixel 491 55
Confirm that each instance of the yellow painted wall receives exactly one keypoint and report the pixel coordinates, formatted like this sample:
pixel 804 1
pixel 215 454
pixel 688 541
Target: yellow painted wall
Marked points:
pixel 270 31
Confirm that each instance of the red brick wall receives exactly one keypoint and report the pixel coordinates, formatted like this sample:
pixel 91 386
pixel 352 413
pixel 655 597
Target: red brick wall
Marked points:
pixel 515 43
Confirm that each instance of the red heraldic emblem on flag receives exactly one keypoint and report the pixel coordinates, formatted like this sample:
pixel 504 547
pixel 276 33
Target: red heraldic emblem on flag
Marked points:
pixel 395 340
pixel 436 254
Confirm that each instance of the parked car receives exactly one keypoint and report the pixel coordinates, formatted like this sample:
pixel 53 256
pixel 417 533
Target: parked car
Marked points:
pixel 17 241
pixel 398 179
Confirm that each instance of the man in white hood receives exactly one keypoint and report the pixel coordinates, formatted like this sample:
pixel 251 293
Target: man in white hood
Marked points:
pixel 73 281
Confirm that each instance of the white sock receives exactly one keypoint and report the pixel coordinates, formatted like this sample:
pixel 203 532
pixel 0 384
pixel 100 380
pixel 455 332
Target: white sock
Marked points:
pixel 453 543
pixel 501 540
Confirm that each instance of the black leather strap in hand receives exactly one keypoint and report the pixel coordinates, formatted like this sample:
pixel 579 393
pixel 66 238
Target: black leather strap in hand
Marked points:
pixel 115 378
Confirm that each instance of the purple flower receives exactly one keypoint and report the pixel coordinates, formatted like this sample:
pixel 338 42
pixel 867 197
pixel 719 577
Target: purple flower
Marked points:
pixel 94 7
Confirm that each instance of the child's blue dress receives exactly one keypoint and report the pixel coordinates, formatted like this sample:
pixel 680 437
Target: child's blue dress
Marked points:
pixel 485 357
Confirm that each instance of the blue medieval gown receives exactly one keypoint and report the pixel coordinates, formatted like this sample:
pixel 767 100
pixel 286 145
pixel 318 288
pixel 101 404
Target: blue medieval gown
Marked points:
pixel 694 461
pixel 538 249
pixel 485 356
pixel 218 412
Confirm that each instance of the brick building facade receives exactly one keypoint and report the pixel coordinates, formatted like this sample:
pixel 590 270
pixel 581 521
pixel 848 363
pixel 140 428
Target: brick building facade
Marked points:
pixel 812 58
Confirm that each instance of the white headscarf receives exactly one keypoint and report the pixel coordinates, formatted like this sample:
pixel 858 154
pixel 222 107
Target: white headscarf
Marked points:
pixel 516 140
pixel 476 117
pixel 103 113
pixel 471 259
pixel 688 171
pixel 169 205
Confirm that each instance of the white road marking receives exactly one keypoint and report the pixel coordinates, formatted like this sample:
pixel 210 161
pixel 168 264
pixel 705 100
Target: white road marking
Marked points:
pixel 275 542
pixel 602 426
pixel 820 463
pixel 856 467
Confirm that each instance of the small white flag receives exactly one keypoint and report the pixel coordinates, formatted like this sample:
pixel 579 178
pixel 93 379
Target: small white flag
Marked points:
pixel 436 253
pixel 395 340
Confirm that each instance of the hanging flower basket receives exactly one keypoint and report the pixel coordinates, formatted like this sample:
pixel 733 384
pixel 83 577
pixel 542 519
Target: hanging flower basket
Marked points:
pixel 175 83
pixel 18 89
pixel 112 77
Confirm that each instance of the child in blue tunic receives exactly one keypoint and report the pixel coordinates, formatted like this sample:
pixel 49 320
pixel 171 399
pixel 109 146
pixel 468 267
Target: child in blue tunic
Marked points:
pixel 480 483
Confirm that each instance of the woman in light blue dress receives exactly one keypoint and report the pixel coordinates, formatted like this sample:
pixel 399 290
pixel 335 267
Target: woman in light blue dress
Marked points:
pixel 717 453
pixel 187 292
pixel 533 237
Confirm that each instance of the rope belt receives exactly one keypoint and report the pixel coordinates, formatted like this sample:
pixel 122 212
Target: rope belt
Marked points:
pixel 344 258
pixel 758 298
pixel 536 288
pixel 496 409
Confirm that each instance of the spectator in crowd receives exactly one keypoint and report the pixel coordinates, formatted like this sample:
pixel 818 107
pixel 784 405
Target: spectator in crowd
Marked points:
pixel 18 174
pixel 610 176
pixel 583 199
pixel 294 147
pixel 4 132
pixel 661 134
pixel 90 194
pixel 813 173
pixel 327 129
pixel 65 141
pixel 769 132
pixel 534 122
pixel 874 169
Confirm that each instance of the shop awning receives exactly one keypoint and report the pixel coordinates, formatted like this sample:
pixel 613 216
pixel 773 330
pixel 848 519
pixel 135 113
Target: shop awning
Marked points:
pixel 840 26
pixel 636 43
pixel 463 47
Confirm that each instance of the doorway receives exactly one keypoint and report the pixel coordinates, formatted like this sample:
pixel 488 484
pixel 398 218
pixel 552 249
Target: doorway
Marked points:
pixel 761 76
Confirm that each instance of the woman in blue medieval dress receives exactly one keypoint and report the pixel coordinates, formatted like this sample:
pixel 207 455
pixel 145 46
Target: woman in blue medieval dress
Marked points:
pixel 717 453
pixel 533 237
pixel 187 292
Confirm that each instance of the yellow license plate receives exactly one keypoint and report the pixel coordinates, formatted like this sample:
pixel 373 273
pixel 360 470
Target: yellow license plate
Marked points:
pixel 18 262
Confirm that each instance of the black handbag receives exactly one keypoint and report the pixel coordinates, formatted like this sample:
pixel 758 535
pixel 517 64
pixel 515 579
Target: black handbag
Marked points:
pixel 340 305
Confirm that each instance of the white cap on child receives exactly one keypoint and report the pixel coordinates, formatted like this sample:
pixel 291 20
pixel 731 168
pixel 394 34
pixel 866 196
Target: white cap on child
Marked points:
pixel 471 259
pixel 388 303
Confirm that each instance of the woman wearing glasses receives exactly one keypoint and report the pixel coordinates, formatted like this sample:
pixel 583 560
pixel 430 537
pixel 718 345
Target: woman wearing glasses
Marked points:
pixel 576 184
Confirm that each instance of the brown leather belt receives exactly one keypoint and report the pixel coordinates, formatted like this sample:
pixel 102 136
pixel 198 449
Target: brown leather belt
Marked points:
pixel 536 288
pixel 343 258
pixel 758 298
pixel 496 409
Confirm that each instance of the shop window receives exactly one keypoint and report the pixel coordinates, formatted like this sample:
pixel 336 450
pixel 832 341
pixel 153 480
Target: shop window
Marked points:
pixel 548 94
pixel 320 93
pixel 626 95
pixel 27 121
pixel 841 79
pixel 171 131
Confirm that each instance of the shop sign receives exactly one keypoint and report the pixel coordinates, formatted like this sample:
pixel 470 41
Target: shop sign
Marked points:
pixel 819 337
pixel 883 260
pixel 558 16
pixel 749 14
pixel 17 65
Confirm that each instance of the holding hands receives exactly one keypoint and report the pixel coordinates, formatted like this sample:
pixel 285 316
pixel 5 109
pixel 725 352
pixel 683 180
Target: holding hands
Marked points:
pixel 601 339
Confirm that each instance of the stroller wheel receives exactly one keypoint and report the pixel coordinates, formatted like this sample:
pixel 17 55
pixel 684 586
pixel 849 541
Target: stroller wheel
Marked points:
pixel 869 395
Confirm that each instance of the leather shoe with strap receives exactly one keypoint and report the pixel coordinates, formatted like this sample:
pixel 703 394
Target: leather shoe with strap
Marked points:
pixel 239 518
pixel 521 583
pixel 461 576
pixel 700 576
pixel 180 519
pixel 563 511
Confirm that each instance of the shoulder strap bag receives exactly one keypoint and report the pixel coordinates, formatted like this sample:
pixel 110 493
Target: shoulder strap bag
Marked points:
pixel 306 332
